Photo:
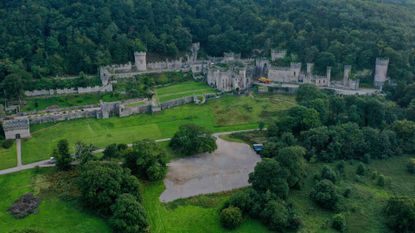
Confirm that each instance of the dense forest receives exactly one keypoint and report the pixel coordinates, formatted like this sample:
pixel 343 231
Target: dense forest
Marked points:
pixel 41 38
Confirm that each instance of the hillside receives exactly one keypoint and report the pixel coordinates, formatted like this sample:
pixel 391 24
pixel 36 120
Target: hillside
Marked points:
pixel 57 37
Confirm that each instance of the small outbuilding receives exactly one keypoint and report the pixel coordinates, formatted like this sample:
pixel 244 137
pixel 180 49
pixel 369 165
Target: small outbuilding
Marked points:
pixel 17 128
pixel 258 147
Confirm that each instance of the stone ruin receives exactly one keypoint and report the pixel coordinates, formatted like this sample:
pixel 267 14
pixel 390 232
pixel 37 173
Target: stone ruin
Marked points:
pixel 381 71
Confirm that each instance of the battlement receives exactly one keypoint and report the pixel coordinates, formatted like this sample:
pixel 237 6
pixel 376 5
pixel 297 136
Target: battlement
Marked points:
pixel 278 54
pixel 140 53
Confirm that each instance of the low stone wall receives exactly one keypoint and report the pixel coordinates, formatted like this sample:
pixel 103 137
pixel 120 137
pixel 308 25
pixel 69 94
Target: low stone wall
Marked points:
pixel 125 111
pixel 66 91
pixel 176 102
pixel 64 116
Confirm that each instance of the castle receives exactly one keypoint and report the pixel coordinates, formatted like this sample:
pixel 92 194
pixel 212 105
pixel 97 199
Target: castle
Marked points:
pixel 233 73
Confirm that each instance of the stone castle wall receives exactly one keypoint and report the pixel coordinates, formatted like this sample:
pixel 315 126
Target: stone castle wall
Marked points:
pixel 67 91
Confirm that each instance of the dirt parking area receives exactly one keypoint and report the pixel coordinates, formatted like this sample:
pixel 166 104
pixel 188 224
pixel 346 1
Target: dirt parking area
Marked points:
pixel 225 169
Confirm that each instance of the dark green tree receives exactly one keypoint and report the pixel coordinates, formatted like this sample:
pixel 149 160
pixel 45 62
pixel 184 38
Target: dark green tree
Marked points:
pixel 192 139
pixel 128 215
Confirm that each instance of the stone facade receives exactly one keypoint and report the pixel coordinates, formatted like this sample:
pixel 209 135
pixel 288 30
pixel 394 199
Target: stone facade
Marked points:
pixel 232 78
pixel 381 72
pixel 285 74
pixel 16 128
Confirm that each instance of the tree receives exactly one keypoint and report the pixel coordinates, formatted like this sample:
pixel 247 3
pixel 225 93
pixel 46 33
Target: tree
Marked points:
pixel 192 139
pixel 328 173
pixel 361 169
pixel 325 195
pixel 339 222
pixel 275 215
pixel 400 214
pixel 292 159
pixel 231 217
pixel 84 152
pixel 62 155
pixel 128 215
pixel 299 119
pixel 405 131
pixel 101 183
pixel 147 160
pixel 308 92
pixel 270 175
pixel 113 151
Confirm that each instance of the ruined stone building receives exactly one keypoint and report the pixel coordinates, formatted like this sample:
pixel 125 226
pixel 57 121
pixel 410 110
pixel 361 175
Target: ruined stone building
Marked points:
pixel 381 72
pixel 16 128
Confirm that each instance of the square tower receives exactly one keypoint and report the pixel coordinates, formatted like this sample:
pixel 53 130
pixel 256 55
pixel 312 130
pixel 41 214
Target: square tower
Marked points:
pixel 381 71
pixel 140 61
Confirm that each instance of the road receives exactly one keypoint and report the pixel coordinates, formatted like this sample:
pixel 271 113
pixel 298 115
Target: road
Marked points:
pixel 45 163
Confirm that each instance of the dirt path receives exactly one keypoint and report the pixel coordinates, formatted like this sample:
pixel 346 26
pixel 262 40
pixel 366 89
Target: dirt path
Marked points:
pixel 225 169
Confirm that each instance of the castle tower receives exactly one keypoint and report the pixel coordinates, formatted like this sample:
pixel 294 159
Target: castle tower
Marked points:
pixel 346 74
pixel 296 68
pixel 381 71
pixel 140 61
pixel 310 69
pixel 328 75
pixel 195 50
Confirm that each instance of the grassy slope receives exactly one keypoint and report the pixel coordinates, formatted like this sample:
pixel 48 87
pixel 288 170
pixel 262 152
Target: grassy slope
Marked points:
pixel 54 215
pixel 228 113
pixel 183 89
pixel 365 205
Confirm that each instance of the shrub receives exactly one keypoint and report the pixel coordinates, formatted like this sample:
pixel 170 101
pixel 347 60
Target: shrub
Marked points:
pixel 325 195
pixel 328 174
pixel 361 169
pixel 400 214
pixel 129 216
pixel 24 206
pixel 231 217
pixel 6 144
pixel 411 166
pixel 339 222
pixel 347 192
pixel 27 231
pixel 275 215
pixel 381 180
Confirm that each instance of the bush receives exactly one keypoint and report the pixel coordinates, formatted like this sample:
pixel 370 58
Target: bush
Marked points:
pixel 411 166
pixel 231 217
pixel 328 174
pixel 339 222
pixel 381 180
pixel 6 144
pixel 325 195
pixel 347 192
pixel 400 214
pixel 24 206
pixel 129 216
pixel 361 169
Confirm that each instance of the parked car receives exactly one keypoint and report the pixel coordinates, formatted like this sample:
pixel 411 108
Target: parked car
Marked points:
pixel 258 148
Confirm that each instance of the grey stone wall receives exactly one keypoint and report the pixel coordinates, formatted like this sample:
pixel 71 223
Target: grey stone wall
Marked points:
pixel 66 91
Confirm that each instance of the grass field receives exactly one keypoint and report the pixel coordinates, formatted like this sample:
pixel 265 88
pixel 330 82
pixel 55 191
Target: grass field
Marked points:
pixel 194 215
pixel 182 90
pixel 54 215
pixel 225 114
pixel 36 104
pixel 8 157
pixel 363 214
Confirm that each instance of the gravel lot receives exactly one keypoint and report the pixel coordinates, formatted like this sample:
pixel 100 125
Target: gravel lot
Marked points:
pixel 225 169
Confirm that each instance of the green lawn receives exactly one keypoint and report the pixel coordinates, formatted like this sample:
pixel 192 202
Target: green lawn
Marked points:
pixel 194 215
pixel 68 101
pixel 54 215
pixel 225 114
pixel 182 90
pixel 8 157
